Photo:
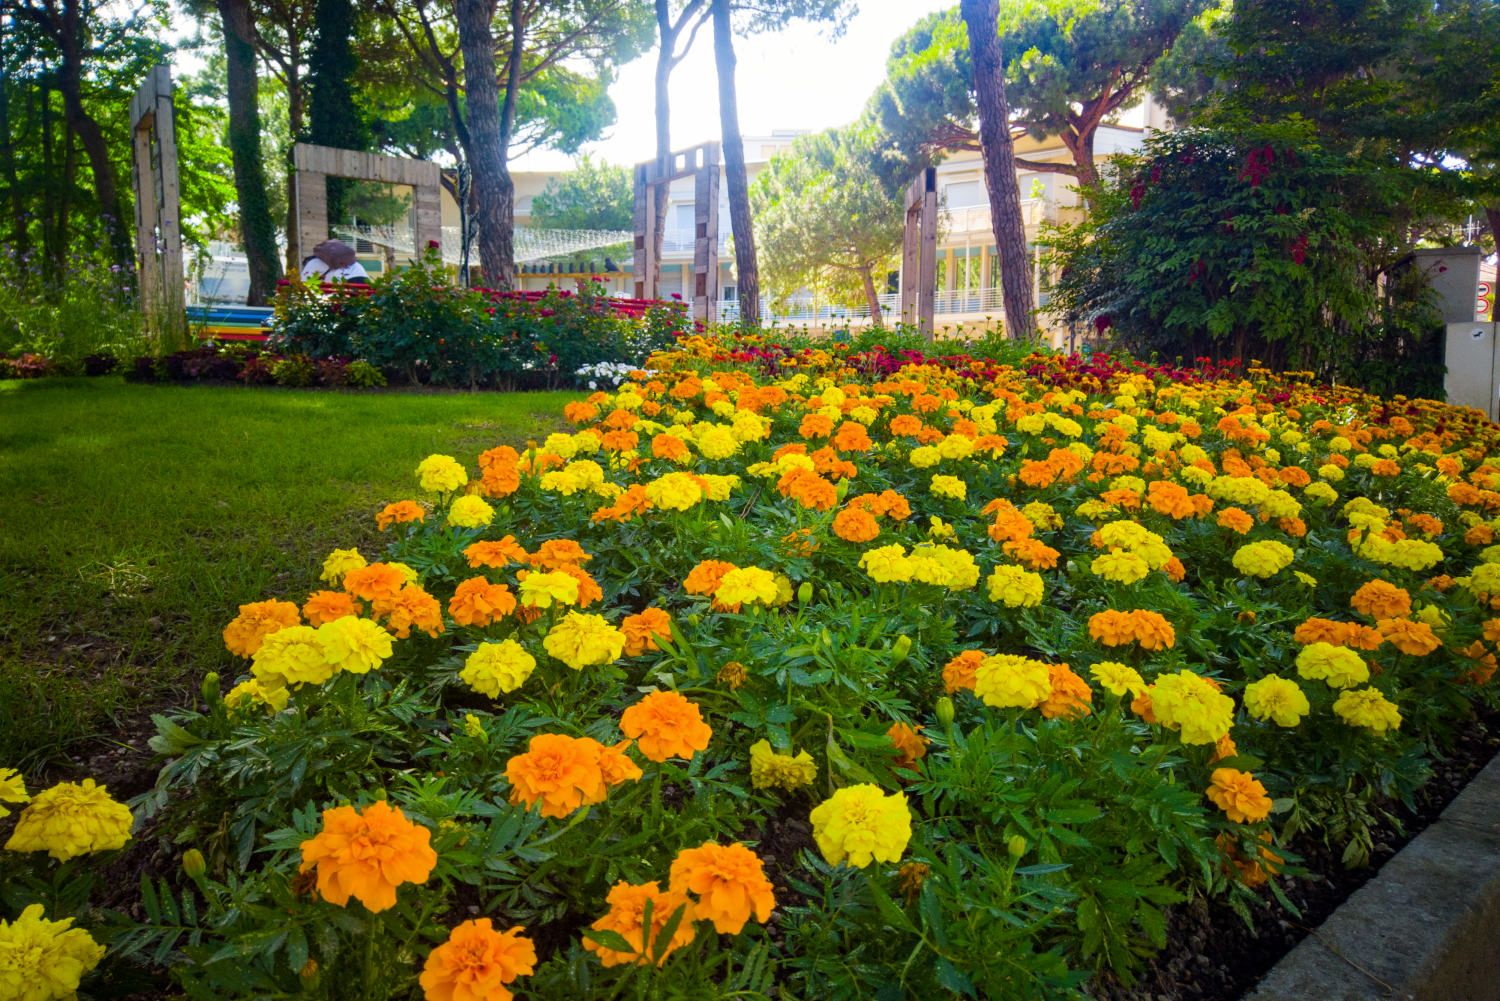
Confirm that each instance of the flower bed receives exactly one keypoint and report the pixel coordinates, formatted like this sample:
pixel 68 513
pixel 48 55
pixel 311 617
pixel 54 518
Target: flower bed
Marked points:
pixel 777 675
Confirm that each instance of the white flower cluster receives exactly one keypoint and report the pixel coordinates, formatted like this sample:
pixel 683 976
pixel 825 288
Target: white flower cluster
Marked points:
pixel 609 373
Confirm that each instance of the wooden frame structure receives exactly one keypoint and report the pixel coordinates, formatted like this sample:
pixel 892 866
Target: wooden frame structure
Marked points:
pixel 919 252
pixel 315 164
pixel 702 164
pixel 158 225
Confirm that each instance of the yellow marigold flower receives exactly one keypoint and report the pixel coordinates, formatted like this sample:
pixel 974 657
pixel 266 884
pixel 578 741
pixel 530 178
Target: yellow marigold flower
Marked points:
pixel 354 644
pixel 1118 679
pixel 1278 699
pixel 887 564
pixel 717 442
pixel 541 590
pixel 476 962
pixel 470 511
pixel 925 457
pixel 1414 638
pixel 248 694
pixel 1120 566
pixel 339 563
pixel 729 882
pixel 43 960
pixel 950 486
pixel 581 640
pixel 366 854
pixel 627 918
pixel 1263 559
pixel 745 585
pixel 1193 706
pixel 665 725
pixel 441 474
pixel 292 656
pixel 859 824
pixel 1369 708
pixel 497 667
pixel 1242 798
pixel 257 620
pixel 675 491
pixel 769 769
pixel 1014 587
pixel 1006 681
pixel 12 789
pixel 1339 666
pixel 71 819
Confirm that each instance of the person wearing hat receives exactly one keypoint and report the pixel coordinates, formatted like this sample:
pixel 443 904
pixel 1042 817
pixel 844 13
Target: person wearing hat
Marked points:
pixel 333 260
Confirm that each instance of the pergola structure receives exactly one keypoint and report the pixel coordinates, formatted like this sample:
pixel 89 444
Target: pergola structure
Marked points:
pixel 651 181
pixel 315 164
pixel 919 252
pixel 158 228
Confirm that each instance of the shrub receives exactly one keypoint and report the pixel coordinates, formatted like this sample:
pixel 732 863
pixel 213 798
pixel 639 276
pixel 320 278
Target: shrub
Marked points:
pixel 362 375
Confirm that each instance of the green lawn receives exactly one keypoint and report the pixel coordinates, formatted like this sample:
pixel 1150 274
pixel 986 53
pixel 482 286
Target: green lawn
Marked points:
pixel 133 519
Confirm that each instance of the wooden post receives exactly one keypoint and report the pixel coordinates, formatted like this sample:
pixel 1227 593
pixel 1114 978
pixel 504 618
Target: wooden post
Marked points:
pixel 919 252
pixel 706 233
pixel 702 163
pixel 158 223
pixel 315 164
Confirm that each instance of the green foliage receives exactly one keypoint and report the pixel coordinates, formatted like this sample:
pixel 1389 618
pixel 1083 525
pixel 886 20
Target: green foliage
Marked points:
pixel 1254 242
pixel 824 220
pixel 593 195
pixel 337 116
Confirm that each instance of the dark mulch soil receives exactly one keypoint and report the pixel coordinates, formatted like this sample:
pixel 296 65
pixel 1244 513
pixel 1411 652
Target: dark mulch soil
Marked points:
pixel 1212 956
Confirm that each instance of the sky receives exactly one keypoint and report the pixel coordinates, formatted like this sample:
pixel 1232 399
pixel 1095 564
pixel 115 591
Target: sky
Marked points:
pixel 797 79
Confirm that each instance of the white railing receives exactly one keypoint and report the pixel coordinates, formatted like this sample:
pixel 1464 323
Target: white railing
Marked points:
pixel 973 303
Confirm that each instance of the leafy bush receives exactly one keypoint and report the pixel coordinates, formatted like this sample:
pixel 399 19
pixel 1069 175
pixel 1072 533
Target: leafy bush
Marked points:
pixel 67 311
pixel 295 371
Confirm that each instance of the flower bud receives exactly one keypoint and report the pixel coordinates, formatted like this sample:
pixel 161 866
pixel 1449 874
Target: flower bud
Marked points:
pixel 309 973
pixel 194 864
pixel 692 619
pixel 826 637
pixel 945 711
pixel 211 688
pixel 1016 846
pixel 842 490
pixel 901 648
pixel 804 592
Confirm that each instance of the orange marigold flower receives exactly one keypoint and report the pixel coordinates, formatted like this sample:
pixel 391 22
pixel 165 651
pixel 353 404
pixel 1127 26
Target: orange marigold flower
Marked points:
pixel 1479 535
pixel 855 525
pixel 704 578
pixel 1224 749
pixel 1236 520
pixel 496 554
pixel 959 672
pixel 1317 630
pixel 1112 627
pixel 1242 798
pixel 554 554
pixel 378 580
pixel 1174 569
pixel 325 606
pixel 500 455
pixel 615 766
pixel 852 437
pixel 627 918
pixel 367 854
pixel 477 961
pixel 1252 872
pixel 815 426
pixel 246 631
pixel 1071 695
pixel 500 480
pixel 729 882
pixel 477 602
pixel 909 744
pixel 562 772
pixel 411 606
pixel 589 590
pixel 665 725
pixel 808 489
pixel 1381 600
pixel 905 425
pixel 1141 706
pixel 1033 553
pixel 641 631
pixel 629 504
pixel 399 513
pixel 671 448
pixel 1152 630
pixel 1170 499
pixel 1414 638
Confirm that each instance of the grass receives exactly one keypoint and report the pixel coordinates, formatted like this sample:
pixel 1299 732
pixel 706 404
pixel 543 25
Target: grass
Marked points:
pixel 134 519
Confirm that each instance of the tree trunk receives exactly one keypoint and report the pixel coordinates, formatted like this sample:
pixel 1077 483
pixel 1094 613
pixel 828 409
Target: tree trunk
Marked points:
pixel 734 170
pixel 256 228
pixel 20 232
pixel 493 190
pixel 982 19
pixel 1492 216
pixel 335 119
pixel 294 102
pixel 69 83
pixel 871 296
pixel 668 37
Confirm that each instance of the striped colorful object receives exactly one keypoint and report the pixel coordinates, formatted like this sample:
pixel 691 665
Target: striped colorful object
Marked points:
pixel 229 323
